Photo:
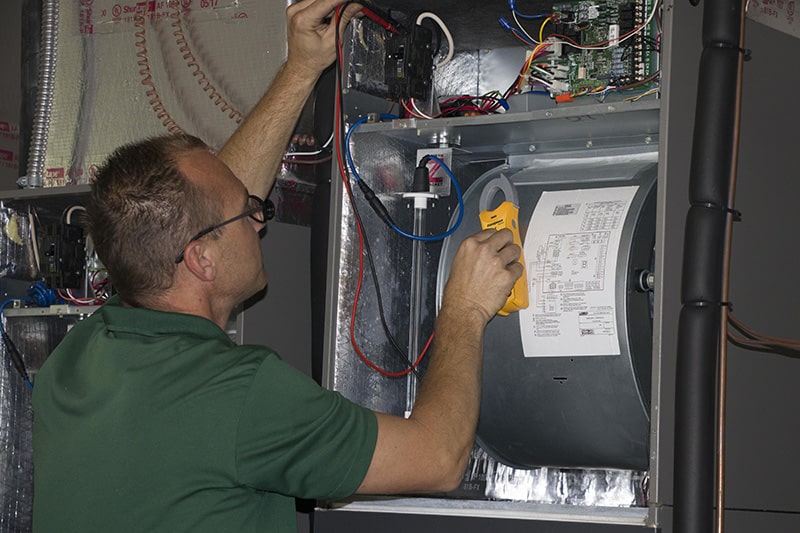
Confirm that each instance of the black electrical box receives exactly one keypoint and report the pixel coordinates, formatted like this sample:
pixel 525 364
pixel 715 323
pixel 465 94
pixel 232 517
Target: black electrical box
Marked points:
pixel 409 63
pixel 62 256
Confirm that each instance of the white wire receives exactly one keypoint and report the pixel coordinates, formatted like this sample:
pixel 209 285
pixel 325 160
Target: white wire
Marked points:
pixel 542 71
pixel 541 81
pixel 327 143
pixel 522 28
pixel 447 34
pixel 417 110
pixel 68 215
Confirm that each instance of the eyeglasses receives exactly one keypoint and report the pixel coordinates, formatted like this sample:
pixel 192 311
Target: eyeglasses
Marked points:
pixel 257 209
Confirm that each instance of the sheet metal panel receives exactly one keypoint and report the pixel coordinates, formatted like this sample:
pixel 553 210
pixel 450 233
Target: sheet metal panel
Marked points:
pixel 385 155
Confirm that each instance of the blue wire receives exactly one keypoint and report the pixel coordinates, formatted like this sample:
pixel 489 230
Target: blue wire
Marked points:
pixel 523 16
pixel 507 26
pixel 352 166
pixel 349 157
pixel 512 5
pixel 449 232
pixel 42 296
pixel 3 308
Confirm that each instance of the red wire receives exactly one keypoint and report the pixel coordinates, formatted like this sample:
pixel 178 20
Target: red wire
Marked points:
pixel 346 181
pixel 379 20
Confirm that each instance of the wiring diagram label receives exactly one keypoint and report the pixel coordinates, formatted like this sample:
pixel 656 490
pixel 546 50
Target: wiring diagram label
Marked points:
pixel 572 246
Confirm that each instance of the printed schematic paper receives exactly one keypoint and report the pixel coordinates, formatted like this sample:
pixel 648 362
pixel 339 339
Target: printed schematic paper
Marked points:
pixel 571 248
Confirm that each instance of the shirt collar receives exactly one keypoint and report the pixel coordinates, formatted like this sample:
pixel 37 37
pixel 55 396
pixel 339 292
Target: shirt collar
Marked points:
pixel 143 321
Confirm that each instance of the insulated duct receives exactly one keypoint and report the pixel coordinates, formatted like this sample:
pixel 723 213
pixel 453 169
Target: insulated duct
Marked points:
pixel 112 73
pixel 706 259
pixel 36 333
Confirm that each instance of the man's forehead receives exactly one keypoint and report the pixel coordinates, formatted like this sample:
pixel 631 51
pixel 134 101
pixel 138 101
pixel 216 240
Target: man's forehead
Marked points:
pixel 208 172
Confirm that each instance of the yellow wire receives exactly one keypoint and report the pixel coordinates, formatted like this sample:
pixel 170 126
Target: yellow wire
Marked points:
pixel 541 29
pixel 642 95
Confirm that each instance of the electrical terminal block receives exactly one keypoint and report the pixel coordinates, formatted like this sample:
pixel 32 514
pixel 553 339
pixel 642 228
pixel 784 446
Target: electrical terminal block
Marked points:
pixel 560 72
pixel 409 64
pixel 542 73
pixel 559 86
pixel 62 255
pixel 555 46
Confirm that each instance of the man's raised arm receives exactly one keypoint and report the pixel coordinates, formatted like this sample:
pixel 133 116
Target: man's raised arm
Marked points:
pixel 255 150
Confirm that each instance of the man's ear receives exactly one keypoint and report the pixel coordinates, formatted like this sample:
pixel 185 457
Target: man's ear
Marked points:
pixel 199 260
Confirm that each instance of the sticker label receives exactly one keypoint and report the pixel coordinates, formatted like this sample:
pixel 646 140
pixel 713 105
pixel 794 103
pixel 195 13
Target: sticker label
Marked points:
pixel 104 16
pixel 571 247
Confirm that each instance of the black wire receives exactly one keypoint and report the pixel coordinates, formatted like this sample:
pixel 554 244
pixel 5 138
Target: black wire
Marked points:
pixel 15 358
pixel 627 48
pixel 399 351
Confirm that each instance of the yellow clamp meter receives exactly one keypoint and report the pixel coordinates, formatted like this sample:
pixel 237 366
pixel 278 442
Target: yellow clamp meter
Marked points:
pixel 506 216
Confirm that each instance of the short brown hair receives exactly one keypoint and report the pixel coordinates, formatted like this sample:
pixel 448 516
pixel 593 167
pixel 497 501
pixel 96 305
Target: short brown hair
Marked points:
pixel 143 210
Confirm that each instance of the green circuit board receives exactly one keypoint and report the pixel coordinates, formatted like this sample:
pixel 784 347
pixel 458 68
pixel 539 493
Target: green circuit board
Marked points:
pixel 617 46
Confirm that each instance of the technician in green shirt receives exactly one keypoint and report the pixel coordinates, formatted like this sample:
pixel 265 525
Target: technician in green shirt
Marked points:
pixel 148 418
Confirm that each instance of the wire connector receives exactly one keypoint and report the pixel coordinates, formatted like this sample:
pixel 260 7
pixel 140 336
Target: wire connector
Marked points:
pixel 421 182
pixel 16 358
pixel 375 203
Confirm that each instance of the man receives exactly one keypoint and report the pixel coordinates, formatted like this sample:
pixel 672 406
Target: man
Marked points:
pixel 147 416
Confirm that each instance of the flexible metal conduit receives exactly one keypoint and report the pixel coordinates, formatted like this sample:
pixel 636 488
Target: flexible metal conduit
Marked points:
pixel 702 328
pixel 44 100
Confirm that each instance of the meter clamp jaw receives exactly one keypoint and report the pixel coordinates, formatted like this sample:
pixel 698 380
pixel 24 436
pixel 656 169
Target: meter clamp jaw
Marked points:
pixel 506 216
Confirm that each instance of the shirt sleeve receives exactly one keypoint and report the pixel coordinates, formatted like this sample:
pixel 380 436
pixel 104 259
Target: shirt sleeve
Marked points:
pixel 299 439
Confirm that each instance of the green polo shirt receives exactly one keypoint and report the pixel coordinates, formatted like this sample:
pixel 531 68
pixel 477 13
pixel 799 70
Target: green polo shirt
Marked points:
pixel 146 421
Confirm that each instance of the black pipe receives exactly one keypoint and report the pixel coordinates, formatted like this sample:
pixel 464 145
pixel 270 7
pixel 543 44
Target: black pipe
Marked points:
pixel 706 263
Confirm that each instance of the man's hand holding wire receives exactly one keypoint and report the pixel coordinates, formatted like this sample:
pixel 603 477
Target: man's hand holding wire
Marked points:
pixel 311 34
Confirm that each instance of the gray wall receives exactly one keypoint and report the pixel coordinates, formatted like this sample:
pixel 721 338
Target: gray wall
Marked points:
pixel 10 92
pixel 281 319
pixel 763 430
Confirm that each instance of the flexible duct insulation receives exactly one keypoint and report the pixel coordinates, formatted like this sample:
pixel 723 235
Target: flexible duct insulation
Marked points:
pixel 121 73
pixel 35 337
